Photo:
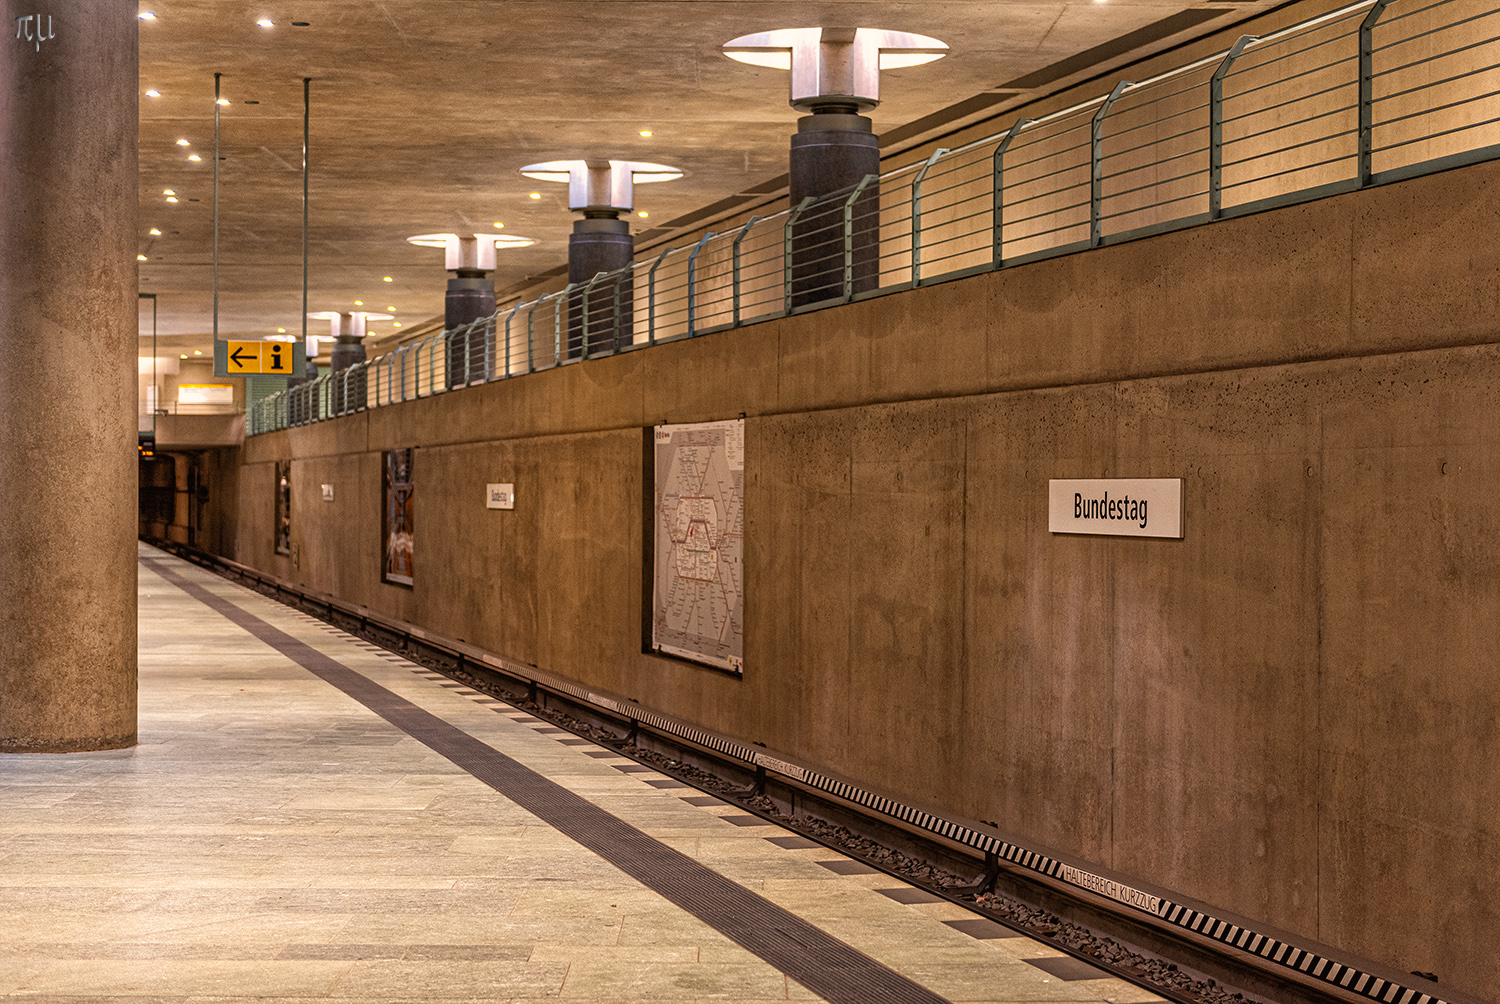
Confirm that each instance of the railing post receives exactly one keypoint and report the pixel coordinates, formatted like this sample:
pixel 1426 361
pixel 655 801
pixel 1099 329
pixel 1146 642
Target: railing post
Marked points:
pixel 616 325
pixel 1367 92
pixel 557 325
pixel 651 297
pixel 514 310
pixel 998 204
pixel 588 292
pixel 916 216
pixel 786 260
pixel 692 277
pixel 735 258
pixel 531 336
pixel 1216 127
pixel 859 190
pixel 1096 166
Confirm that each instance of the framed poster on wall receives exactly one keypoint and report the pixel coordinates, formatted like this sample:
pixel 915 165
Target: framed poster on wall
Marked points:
pixel 396 519
pixel 697 533
pixel 283 523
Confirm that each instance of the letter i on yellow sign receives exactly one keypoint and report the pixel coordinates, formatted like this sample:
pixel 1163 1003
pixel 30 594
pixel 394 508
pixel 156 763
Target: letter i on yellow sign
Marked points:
pixel 276 357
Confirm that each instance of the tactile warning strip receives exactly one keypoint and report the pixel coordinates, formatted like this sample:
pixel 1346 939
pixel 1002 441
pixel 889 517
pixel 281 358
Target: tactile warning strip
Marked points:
pixel 817 960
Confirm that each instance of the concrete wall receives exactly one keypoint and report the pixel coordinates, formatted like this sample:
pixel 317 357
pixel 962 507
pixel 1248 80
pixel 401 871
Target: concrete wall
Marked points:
pixel 1290 713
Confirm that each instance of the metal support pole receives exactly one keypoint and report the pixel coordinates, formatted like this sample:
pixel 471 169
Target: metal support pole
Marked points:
pixel 1367 92
pixel 692 311
pixel 217 106
pixel 859 190
pixel 1096 166
pixel 306 134
pixel 998 214
pixel 916 216
pixel 735 266
pixel 531 337
pixel 1216 127
pixel 786 261
pixel 651 297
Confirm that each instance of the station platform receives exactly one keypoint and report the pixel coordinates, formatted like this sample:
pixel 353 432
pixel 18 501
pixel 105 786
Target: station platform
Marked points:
pixel 310 817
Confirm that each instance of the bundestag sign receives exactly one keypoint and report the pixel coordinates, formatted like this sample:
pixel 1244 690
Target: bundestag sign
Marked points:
pixel 1117 507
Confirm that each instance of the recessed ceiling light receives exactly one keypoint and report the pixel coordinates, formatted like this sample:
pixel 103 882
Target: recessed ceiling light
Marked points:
pixel 171 198
pixel 197 352
pixel 643 214
pixel 155 232
pixel 194 157
pixel 386 278
pixel 167 191
pixel 499 226
pixel 645 133
pixel 184 355
pixel 146 15
pixel 281 331
pixel 266 22
pixel 535 195
pixel 140 257
pixel 395 324
pixel 359 303
pixel 183 142
pixel 390 310
pixel 222 101
pixel 153 93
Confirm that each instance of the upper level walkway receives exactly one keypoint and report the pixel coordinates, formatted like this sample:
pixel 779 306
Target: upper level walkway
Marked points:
pixel 310 817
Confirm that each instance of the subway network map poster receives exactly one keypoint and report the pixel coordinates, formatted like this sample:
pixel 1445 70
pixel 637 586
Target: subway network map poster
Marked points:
pixel 697 601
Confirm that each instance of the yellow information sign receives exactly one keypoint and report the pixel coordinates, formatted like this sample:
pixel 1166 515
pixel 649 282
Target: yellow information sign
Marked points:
pixel 276 357
pixel 244 357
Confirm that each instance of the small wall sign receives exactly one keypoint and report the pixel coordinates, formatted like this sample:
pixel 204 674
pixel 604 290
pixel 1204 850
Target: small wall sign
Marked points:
pixel 328 493
pixel 499 496
pixel 1116 507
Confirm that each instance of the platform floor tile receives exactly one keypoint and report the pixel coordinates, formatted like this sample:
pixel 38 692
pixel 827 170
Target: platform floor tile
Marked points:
pixel 274 839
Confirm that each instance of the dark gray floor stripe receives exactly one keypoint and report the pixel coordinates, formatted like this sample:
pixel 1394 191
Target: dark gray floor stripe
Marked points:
pixel 817 960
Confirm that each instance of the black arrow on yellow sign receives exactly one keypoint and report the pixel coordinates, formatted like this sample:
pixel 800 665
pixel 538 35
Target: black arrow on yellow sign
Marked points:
pixel 235 357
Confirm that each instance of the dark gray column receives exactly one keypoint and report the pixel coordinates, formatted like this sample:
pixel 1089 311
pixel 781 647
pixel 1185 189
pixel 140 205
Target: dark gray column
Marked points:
pixel 471 295
pixel 68 198
pixel 599 244
pixel 348 394
pixel 831 153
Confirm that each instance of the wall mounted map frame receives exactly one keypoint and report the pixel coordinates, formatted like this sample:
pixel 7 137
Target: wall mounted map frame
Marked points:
pixel 698 530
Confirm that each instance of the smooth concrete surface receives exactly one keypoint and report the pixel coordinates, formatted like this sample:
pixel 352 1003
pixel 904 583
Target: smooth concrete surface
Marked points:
pixel 272 840
pixel 68 378
pixel 1285 714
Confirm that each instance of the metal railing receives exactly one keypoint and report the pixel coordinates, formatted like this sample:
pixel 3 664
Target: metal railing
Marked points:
pixel 1370 93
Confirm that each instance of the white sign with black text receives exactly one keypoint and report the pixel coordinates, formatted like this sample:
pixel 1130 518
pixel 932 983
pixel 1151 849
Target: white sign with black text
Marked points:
pixel 499 496
pixel 1117 507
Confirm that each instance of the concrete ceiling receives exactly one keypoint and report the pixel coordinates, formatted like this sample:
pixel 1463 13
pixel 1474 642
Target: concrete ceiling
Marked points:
pixel 423 110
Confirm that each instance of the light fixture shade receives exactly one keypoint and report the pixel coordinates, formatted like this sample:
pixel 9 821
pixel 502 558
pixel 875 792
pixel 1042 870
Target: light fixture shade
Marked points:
pixel 601 184
pixel 470 252
pixel 351 322
pixel 835 65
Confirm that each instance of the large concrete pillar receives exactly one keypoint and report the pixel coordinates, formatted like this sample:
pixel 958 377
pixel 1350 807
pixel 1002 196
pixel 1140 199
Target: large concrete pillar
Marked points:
pixel 68 198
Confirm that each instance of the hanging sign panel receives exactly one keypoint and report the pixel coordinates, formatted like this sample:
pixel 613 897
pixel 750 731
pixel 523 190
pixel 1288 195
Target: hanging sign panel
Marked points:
pixel 698 572
pixel 1116 507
